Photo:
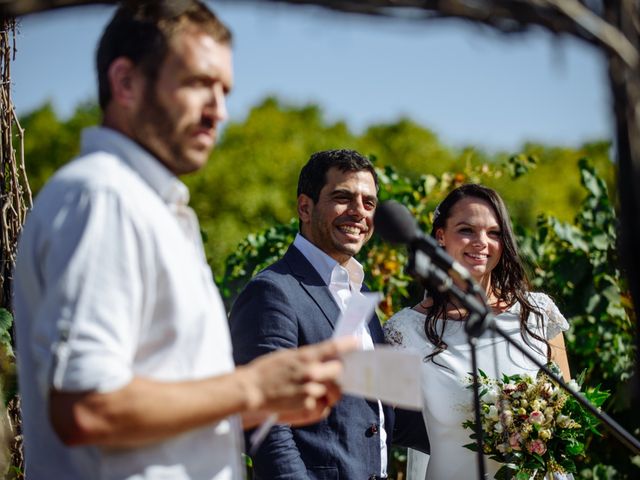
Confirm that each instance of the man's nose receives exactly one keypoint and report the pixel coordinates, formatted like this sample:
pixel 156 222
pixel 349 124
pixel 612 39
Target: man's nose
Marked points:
pixel 216 106
pixel 356 207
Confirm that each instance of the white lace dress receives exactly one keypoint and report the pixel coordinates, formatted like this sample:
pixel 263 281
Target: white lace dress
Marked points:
pixel 447 402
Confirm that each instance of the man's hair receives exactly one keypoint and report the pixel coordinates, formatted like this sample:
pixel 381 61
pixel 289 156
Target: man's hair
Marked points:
pixel 142 30
pixel 313 175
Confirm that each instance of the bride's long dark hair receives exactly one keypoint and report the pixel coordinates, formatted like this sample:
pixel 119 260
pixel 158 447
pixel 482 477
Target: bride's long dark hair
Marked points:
pixel 509 282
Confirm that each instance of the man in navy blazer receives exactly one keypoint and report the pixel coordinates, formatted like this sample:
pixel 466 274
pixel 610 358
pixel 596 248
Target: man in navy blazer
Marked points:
pixel 297 300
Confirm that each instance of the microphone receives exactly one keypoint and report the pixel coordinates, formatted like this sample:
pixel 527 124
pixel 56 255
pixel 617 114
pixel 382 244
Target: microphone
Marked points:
pixel 395 224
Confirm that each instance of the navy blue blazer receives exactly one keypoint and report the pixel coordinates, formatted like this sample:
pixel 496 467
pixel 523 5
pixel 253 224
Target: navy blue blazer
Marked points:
pixel 285 306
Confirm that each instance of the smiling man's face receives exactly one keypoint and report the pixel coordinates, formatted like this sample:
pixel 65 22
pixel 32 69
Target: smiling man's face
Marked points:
pixel 341 221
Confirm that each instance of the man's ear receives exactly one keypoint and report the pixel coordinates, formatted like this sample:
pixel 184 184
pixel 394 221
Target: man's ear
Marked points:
pixel 305 206
pixel 126 82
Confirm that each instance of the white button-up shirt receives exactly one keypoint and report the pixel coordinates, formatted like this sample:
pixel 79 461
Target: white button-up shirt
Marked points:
pixel 343 282
pixel 111 282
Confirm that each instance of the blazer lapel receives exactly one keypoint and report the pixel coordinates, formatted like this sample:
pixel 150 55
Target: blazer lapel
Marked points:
pixel 312 283
pixel 377 335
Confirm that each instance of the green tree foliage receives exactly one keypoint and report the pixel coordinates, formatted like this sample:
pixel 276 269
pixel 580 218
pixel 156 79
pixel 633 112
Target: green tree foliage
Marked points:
pixel 8 385
pixel 50 142
pixel 407 146
pixel 554 185
pixel 250 181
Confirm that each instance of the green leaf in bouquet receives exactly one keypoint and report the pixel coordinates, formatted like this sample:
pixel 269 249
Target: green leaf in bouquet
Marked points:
pixel 534 462
pixel 540 460
pixel 471 446
pixel 594 429
pixel 574 447
pixel 469 424
pixel 522 475
pixel 568 465
pixel 596 396
pixel 565 433
pixel 506 472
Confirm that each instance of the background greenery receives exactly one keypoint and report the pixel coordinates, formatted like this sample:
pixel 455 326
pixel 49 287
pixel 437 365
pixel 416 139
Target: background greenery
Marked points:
pixel 560 202
pixel 250 182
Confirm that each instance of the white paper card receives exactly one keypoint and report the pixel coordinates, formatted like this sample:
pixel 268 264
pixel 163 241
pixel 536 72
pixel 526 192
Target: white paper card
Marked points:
pixel 359 310
pixel 386 374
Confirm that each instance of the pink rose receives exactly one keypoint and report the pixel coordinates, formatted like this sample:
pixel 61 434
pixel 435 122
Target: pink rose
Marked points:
pixel 536 446
pixel 514 441
pixel 536 417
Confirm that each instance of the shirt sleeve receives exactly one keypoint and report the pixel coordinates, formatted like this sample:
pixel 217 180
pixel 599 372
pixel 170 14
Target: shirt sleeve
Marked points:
pixel 85 332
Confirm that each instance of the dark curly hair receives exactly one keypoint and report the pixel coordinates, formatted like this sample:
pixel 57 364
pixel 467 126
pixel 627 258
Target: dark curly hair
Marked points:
pixel 313 176
pixel 509 282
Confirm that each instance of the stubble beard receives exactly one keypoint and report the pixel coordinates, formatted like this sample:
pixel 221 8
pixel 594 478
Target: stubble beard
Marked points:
pixel 157 133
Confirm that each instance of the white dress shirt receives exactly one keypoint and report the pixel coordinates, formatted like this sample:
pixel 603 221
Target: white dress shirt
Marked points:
pixel 343 282
pixel 111 283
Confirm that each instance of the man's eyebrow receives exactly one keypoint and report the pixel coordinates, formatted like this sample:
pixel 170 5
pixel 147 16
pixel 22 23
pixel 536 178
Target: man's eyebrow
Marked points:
pixel 343 191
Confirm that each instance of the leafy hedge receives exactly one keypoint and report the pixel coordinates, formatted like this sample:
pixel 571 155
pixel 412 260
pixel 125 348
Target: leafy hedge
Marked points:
pixel 574 262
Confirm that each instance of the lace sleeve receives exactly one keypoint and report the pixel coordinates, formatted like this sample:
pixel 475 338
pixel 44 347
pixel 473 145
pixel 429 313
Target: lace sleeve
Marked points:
pixel 404 330
pixel 393 333
pixel 554 320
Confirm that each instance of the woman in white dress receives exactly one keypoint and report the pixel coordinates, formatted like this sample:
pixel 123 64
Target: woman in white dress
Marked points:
pixel 472 224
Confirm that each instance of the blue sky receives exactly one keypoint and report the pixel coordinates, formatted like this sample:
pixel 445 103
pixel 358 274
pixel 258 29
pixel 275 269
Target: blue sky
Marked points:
pixel 470 85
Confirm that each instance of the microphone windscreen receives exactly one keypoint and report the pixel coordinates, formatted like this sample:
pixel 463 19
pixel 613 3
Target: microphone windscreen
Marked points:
pixel 394 222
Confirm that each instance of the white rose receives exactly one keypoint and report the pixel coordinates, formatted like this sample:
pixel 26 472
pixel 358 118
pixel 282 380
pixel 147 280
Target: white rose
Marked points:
pixel 491 396
pixel 493 414
pixel 573 385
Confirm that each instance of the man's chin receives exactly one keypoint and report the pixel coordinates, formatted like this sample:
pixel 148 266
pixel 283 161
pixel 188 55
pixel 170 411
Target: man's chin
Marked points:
pixel 193 161
pixel 351 249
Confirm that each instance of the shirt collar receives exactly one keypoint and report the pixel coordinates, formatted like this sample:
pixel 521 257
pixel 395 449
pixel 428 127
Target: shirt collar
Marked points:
pixel 150 169
pixel 325 265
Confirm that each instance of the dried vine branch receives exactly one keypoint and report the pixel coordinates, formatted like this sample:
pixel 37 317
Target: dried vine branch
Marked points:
pixel 15 199
pixel 15 196
pixel 583 20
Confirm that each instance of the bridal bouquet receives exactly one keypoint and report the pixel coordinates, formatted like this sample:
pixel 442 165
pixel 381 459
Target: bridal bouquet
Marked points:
pixel 532 426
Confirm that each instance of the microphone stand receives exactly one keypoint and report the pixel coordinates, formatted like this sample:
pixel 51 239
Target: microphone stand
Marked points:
pixel 480 319
pixel 421 266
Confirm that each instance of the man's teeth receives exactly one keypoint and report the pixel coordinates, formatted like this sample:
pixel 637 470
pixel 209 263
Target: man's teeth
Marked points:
pixel 350 230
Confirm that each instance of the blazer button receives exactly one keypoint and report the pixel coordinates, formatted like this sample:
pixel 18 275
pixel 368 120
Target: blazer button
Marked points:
pixel 373 477
pixel 373 428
